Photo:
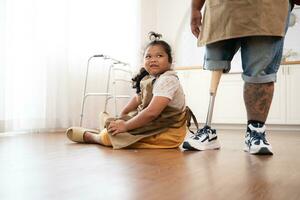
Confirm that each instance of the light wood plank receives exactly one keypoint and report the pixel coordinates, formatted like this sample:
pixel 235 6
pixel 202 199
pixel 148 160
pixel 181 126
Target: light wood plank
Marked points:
pixel 48 166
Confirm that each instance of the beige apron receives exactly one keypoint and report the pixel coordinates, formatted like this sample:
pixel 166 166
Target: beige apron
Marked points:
pixel 226 19
pixel 169 118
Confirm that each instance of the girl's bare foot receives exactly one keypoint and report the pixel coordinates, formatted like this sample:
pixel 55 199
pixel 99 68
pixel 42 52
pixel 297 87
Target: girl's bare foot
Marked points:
pixel 93 138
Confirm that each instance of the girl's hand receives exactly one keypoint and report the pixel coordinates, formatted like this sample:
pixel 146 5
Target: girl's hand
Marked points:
pixel 116 127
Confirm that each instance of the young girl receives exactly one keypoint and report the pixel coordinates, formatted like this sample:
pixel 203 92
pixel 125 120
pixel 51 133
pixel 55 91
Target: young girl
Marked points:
pixel 155 117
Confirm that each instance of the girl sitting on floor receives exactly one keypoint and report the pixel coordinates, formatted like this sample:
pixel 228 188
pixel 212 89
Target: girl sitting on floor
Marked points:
pixel 155 117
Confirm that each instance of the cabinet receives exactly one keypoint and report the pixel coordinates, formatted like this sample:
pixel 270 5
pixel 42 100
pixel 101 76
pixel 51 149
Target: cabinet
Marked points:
pixel 285 108
pixel 195 86
pixel 229 104
pixel 292 80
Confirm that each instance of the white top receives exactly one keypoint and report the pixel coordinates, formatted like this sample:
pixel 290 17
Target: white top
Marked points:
pixel 168 85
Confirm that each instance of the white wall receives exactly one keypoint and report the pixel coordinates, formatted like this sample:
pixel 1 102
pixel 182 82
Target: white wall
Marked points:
pixel 162 16
pixel 165 17
pixel 173 23
pixel 149 17
pixel 170 14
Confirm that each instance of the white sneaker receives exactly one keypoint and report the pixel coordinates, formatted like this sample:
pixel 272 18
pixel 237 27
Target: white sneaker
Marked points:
pixel 255 140
pixel 205 139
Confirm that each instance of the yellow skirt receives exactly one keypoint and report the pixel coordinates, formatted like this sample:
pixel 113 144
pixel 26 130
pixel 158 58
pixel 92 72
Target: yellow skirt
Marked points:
pixel 171 138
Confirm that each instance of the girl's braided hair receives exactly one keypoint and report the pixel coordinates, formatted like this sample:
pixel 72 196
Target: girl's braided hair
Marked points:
pixel 154 40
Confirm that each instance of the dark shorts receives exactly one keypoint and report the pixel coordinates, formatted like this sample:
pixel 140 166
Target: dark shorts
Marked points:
pixel 261 56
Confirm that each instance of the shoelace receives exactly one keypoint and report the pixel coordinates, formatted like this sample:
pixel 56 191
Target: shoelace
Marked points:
pixel 257 136
pixel 203 131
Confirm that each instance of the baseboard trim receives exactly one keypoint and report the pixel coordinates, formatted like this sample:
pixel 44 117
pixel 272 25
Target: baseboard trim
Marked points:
pixel 242 127
pixel 52 130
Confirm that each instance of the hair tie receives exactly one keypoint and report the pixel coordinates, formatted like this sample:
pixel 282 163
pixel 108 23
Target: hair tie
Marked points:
pixel 154 36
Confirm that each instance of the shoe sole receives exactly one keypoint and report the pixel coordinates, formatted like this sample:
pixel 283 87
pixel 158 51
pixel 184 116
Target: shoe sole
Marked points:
pixel 188 146
pixel 261 151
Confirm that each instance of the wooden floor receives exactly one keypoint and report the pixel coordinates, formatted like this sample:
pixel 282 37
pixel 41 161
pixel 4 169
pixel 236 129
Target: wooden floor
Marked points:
pixel 48 166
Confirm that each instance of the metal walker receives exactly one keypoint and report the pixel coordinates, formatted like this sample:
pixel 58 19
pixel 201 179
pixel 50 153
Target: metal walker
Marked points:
pixel 113 68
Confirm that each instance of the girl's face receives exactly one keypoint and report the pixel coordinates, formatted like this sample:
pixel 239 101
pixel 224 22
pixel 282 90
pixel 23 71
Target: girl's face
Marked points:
pixel 156 60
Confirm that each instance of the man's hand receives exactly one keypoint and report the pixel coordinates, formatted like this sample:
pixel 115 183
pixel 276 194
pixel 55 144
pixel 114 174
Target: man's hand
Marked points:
pixel 116 127
pixel 196 18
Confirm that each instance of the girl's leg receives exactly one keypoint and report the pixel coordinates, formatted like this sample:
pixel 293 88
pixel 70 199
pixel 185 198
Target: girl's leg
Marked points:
pixel 92 138
pixel 171 138
pixel 101 138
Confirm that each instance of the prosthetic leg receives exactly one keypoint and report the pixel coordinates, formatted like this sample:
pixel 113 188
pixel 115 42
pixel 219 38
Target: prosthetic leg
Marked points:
pixel 215 79
pixel 206 138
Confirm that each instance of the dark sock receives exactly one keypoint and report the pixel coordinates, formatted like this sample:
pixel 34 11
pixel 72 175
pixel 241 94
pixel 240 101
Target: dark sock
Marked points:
pixel 256 123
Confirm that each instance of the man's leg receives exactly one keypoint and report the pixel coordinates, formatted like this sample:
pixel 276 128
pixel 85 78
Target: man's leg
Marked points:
pixel 261 56
pixel 258 98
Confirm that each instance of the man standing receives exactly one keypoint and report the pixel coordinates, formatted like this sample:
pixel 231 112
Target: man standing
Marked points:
pixel 258 29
